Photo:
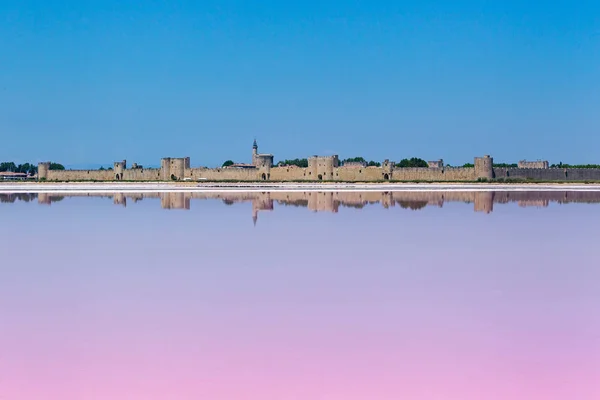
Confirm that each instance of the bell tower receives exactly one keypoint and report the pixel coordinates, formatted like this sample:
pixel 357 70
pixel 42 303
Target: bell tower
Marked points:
pixel 255 153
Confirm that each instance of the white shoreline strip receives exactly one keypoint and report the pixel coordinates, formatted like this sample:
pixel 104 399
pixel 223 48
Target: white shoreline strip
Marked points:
pixel 80 188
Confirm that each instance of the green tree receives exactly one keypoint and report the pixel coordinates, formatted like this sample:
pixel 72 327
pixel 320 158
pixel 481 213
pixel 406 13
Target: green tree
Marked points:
pixel 56 167
pixel 361 160
pixel 228 163
pixel 469 165
pixel 354 159
pixel 584 166
pixel 26 168
pixel 299 162
pixel 412 163
pixel 8 167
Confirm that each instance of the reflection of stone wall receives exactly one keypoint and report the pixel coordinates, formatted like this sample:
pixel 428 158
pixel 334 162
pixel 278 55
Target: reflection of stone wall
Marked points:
pixel 331 201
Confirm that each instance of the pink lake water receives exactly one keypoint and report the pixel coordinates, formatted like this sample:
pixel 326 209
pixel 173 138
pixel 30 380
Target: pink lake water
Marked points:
pixel 262 297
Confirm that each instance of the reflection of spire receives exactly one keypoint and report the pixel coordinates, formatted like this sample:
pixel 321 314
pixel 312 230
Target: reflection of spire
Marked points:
pixel 254 218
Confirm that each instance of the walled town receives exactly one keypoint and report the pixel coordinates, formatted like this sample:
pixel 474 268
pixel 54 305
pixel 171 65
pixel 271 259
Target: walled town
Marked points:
pixel 321 168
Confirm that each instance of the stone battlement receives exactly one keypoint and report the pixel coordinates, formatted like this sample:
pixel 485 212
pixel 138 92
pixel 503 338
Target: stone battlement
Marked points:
pixel 320 168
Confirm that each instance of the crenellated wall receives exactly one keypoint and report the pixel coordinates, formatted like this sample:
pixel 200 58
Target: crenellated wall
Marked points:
pixel 549 174
pixel 223 174
pixel 80 175
pixel 142 174
pixel 434 174
pixel 319 169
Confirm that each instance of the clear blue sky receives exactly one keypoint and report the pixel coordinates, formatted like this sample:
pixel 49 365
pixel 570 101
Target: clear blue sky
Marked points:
pixel 85 82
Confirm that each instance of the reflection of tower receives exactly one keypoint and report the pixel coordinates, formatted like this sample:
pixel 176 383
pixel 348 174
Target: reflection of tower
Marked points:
pixel 119 198
pixel 262 202
pixel 322 201
pixel 484 202
pixel 44 198
pixel 387 200
pixel 175 200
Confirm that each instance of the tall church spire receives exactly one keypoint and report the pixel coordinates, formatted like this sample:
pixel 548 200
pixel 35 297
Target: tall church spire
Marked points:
pixel 255 145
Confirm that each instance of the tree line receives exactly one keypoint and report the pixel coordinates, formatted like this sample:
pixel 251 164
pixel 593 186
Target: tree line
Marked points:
pixel 26 168
pixel 586 166
pixel 413 162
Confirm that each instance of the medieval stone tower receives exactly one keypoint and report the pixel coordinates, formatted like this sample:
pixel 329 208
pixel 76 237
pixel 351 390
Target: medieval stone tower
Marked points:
pixel 484 167
pixel 387 169
pixel 119 168
pixel 174 168
pixel 43 169
pixel 262 162
pixel 322 167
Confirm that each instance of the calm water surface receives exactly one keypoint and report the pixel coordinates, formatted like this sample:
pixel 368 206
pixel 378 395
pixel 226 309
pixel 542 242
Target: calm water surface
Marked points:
pixel 296 296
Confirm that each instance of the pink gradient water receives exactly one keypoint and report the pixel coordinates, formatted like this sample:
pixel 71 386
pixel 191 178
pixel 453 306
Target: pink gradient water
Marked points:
pixel 105 302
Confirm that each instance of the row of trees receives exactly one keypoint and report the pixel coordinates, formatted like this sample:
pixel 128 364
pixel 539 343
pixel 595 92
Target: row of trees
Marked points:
pixel 561 165
pixel 413 162
pixel 27 168
pixel 405 163
pixel 298 162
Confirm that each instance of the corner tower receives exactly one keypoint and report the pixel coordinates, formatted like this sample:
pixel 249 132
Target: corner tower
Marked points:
pixel 484 167
pixel 43 169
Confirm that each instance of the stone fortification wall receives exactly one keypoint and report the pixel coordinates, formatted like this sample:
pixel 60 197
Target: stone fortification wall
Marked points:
pixel 148 174
pixel 433 174
pixel 142 174
pixel 533 164
pixel 80 175
pixel 225 174
pixel 319 169
pixel 551 174
pixel 358 174
pixel 292 173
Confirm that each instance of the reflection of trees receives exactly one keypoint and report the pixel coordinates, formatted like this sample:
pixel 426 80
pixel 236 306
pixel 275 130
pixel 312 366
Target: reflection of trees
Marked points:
pixel 12 197
pixel 412 204
pixel 228 202
pixel 294 203
pixel 358 206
